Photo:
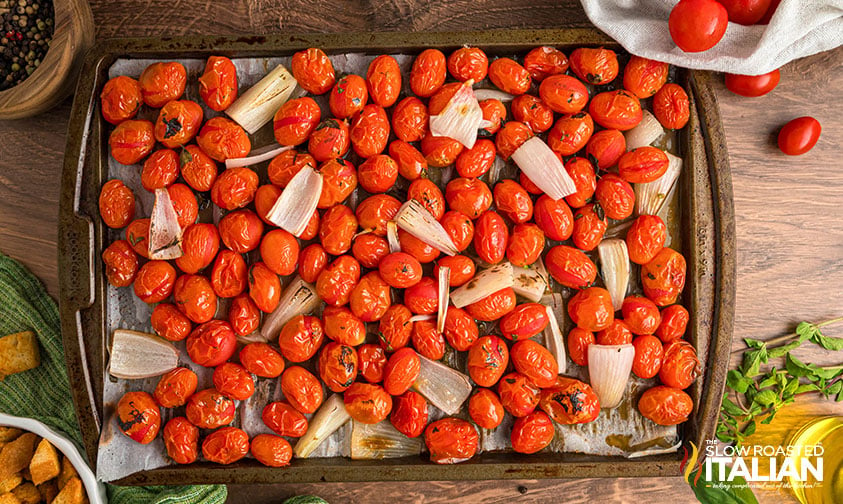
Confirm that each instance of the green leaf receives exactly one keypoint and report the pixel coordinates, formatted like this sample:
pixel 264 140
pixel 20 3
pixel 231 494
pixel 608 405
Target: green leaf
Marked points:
pixel 766 398
pixel 806 387
pixel 731 408
pixel 770 417
pixel 753 343
pixel 796 367
pixel 721 492
pixel 751 362
pixel 767 382
pixel 738 382
pixel 791 387
pixel 749 429
pixel 828 342
pixel 775 353
pixel 806 331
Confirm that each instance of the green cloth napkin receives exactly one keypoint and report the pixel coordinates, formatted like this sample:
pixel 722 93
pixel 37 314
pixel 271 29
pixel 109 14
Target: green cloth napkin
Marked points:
pixel 43 393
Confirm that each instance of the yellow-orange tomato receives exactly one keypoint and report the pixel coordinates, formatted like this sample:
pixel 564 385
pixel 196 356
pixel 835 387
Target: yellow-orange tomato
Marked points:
pixel 337 229
pixel 312 261
pixel 618 109
pixel 300 338
pixel 545 61
pixel 578 341
pixel 301 389
pixel 642 165
pixel 663 278
pixel 369 131
pixel 138 417
pixel 197 168
pixel 533 112
pixel 428 72
pixel 280 252
pixel 211 343
pixel 487 360
pixel 162 82
pixel 411 163
pixel 372 360
pixel 233 381
pixel 617 333
pixel 116 204
pixel 235 188
pixel 644 77
pixel 343 326
pixel 262 360
pixel 591 309
pixel 451 440
pixel 641 315
pixel 564 94
pixel 570 267
pixel 348 96
pixel 383 80
pixel 296 120
pixel 264 287
pixel 395 327
pixel 596 66
pixel 367 403
pixel 313 71
pixel 241 230
pixel 645 238
pixel 337 366
pixel 468 63
pixel 648 356
pixel 459 227
pixel 570 133
pixel 175 387
pixel 422 298
pixel 244 315
pixel 121 263
pixel 525 244
pixel 491 237
pixel 532 433
pixel 519 395
pixel 511 136
pixel 420 250
pixel 120 99
pixel 409 414
pixel 181 439
pixel 271 451
pixel 460 329
pixel 680 365
pixel 228 276
pixel 375 211
pixel 673 324
pixel 339 179
pixel 284 419
pixel 590 225
pixel 200 244
pixel 178 122
pixel 370 298
pixel 665 405
pixel 615 195
pixel 605 148
pixel 570 401
pixel 493 306
pixel 513 201
pixel 401 371
pixel 226 445
pixel 286 165
pixel 476 161
pixel 462 269
pixel 525 321
pixel 208 409
pixel 427 340
pixel 335 283
pixel 485 409
pixel 154 281
pixel 410 119
pixel 494 112
pixel 218 85
pixel 194 296
pixel 440 151
pixel 671 106
pixel 137 234
pixel 222 139
pixel 131 141
pixel 509 76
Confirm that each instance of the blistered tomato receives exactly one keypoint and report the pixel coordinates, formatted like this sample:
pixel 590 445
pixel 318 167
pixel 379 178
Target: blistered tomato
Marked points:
pixel 372 360
pixel 605 148
pixel 511 136
pixel 493 306
pixel 370 298
pixel 671 106
pixel 235 188
pixel 410 119
pixel 570 133
pixel 642 165
pixel 578 341
pixel 197 168
pixel 369 131
pixel 222 139
pixel 428 72
pixel 459 227
pixel 160 169
pixel 401 371
pixel 494 113
pixel 131 141
pixel 296 120
pixel 673 324
pixel 234 381
pixel 525 321
pixel 383 80
pixel 262 360
pixel 564 94
pixel 440 151
pixel 301 389
pixel 200 244
pixel 226 445
pixel 429 195
pixel 120 99
pixel 194 296
pixel 545 61
pixel 641 315
pixel 491 237
pixel 422 298
pixel 208 409
pixel 451 440
pixel 218 85
pixel 615 195
pixel 645 238
pixel 178 122
pixel 244 315
pixel 116 204
pixel 138 417
pixel 591 309
pixel 570 267
pixel 312 260
pixel 375 211
pixel 422 251
pixel 367 403
pixel 228 277
pixel 648 356
pixel 137 234
pixel 513 201
pixel 461 267
pixel 271 451
pixel 487 360
pixel 644 77
pixel 618 109
pixel 570 401
pixel 212 343
pixel 519 395
pixel 532 432
pixel 531 111
pixel 264 287
pixel 471 197
pixel 596 66
pixel 348 96
pixel 301 337
pixel 617 333
pixel 175 387
pixel 280 252
pixel 284 419
pixel 378 173
pixel 665 405
pixel 286 165
pixel 582 173
pixel 590 225
pixel 680 366
pixel 339 179
pixel 509 76
pixel 554 217
pixel 241 230
pixel 395 327
pixel 184 203
pixel 162 82
pixel 409 414
pixel 485 409
pixel 181 439
pixel 154 281
pixel 427 340
pixel 475 162
pixel 400 270
pixel 411 163
pixel 337 366
pixel 525 245
pixel 468 63
pixel 343 326
pixel 460 329
pixel 313 71
pixel 663 278
pixel 121 263
pixel 335 283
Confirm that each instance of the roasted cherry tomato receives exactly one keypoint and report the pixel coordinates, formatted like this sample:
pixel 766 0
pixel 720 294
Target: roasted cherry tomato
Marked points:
pixel 570 402
pixel 212 343
pixel 312 228
pixel 641 315
pixel 218 85
pixel 120 99
pixel 208 409
pixel 680 366
pixel 271 451
pixel 493 306
pixel 590 225
pixel 181 439
pixel 570 267
pixel 644 77
pixel 531 111
pixel 300 338
pixel 154 281
pixel 578 341
pixel 369 131
pixel 367 403
pixel 178 122
pixel 301 389
pixel 564 94
pixel 648 356
pixel 511 136
pixel 335 283
pixel 121 263
pixel 509 76
pixel 753 85
pixel 138 417
pixel 337 366
pixel 459 227
pixel 420 250
pixel 618 333
pixel 671 106
pixel 116 204
pixel 664 277
pixel 697 25
pixel 491 237
pixel 286 165
pixel 280 252
pixel 234 188
pixel 615 196
pixel 494 112
pixel 198 169
pixel 222 139
pixel 429 195
pixel 131 141
pixel 339 179
pixel 262 360
pixel 642 165
pixel 542 62
pixel 605 148
pixel 673 324
pixel 370 298
pixel 343 326
pixel 475 162
pixel 591 309
pixel 427 340
pixel 264 287
pixel 409 414
pixel 228 277
pixel 746 12
pixel 162 82
pixel 337 229
pixel 313 71
pixel 554 217
pixel 582 173
pixel 422 298
pixel 513 201
pixel 375 211
pixel 535 361
pixel 665 405
pixel 200 244
pixel 348 96
pixel 428 72
pixel 378 173
pixel 799 136
pixel 519 395
pixel 451 440
pixel 175 387
pixel 485 409
pixel 460 329
pixel 525 321
pixel 525 245
pixel 401 371
pixel 184 203
pixel 468 63
pixel 194 296
pixel 137 234
pixel 471 197
pixel 233 381
pixel 618 109
pixel 372 360
pixel 645 238
pixel 312 261
pixel 400 270
pixel 411 163
pixel 440 151
pixel 570 133
pixel 410 119
pixel 596 66
pixel 532 433
pixel 244 315
pixel 383 80
pixel 395 327
pixel 462 268
pixel 296 120
pixel 225 446
pixel 488 357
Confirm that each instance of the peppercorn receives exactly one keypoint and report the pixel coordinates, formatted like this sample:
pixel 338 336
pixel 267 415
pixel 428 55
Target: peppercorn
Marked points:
pixel 26 28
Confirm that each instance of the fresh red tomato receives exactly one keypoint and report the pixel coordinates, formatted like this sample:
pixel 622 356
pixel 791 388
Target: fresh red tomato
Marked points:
pixel 218 85
pixel 665 405
pixel 799 136
pixel 409 414
pixel 181 439
pixel 337 366
pixel 532 433
pixel 648 356
pixel 488 357
pixel 591 309
pixel 312 260
pixel 451 440
pixel 301 389
pixel 680 366
pixel 578 341
pixel 271 451
pixel 313 71
pixel 673 323
pixel 570 267
pixel 485 409
pixel 383 80
pixel 596 66
pixel 138 417
pixel 753 85
pixel 519 395
pixel 671 106
pixel 175 387
pixel 212 343
pixel 208 409
pixel 234 381
pixel 262 360
pixel 226 445
pixel 367 403
pixel 641 315
pixel 570 402
pixel 663 278
pixel 697 25
pixel 746 12
pixel 554 217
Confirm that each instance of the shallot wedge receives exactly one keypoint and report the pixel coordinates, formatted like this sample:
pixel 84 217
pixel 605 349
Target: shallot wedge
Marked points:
pixel 380 441
pixel 484 283
pixel 544 168
pixel 530 283
pixel 165 233
pixel 415 219
pixel 257 156
pixel 555 341
pixel 294 208
pixel 136 355
pixel 327 420
pixel 645 133
pixel 614 263
pixel 444 297
pixel 608 371
pixel 445 387
pixel 299 298
pixel 461 117
pixel 651 197
pixel 258 105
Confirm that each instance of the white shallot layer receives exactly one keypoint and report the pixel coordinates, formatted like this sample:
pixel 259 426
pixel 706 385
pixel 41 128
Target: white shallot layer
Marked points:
pixel 461 117
pixel 544 168
pixel 165 233
pixel 294 208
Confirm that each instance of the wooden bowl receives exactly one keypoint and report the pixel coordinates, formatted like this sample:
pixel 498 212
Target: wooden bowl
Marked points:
pixel 55 77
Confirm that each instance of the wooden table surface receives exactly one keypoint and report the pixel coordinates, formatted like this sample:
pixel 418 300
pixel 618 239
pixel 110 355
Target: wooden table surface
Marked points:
pixel 789 226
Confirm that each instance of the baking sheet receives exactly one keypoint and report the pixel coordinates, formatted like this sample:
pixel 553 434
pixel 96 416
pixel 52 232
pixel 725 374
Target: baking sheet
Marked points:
pixel 622 431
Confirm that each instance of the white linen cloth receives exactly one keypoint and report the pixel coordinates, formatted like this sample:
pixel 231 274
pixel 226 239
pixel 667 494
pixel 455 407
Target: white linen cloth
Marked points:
pixel 798 28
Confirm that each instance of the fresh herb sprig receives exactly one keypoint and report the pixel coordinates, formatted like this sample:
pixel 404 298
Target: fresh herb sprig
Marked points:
pixel 759 395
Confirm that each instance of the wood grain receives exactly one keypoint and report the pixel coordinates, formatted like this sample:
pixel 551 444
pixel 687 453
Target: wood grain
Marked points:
pixel 789 232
